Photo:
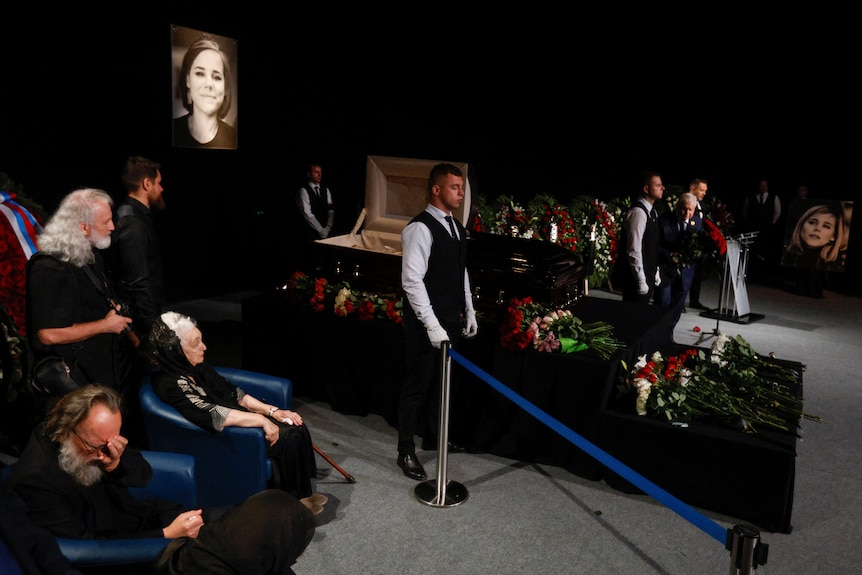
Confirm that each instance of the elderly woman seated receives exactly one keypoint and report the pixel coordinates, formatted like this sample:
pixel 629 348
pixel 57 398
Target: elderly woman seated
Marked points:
pixel 195 389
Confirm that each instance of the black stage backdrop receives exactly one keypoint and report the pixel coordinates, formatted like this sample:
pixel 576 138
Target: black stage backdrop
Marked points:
pixel 551 108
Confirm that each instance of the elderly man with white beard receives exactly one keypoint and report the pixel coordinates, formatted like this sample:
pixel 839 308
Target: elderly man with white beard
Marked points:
pixel 74 476
pixel 71 311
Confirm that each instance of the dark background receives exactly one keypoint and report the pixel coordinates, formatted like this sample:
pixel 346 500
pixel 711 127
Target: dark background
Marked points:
pixel 534 102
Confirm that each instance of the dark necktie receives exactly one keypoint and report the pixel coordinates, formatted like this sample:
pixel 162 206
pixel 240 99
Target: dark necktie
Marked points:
pixel 452 228
pixel 317 191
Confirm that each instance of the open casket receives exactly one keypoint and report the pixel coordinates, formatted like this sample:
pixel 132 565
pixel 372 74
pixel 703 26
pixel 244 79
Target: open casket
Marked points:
pixel 369 257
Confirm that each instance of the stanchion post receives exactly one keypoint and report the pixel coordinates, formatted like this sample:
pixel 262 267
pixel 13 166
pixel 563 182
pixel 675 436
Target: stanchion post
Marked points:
pixel 746 549
pixel 441 492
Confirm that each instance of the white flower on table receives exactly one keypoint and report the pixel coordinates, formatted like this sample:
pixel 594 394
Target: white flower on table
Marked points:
pixel 643 387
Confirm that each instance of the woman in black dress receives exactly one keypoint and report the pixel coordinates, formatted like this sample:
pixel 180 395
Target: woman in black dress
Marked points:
pixel 192 386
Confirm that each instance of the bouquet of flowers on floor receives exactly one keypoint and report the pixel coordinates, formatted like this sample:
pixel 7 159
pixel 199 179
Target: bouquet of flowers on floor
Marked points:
pixel 527 323
pixel 730 381
pixel 342 299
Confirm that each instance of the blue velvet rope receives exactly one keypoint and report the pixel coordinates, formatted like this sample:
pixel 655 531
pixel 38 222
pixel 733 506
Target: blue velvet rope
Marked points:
pixel 682 509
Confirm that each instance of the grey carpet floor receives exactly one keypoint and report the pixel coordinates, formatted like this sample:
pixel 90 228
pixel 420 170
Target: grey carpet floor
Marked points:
pixel 528 518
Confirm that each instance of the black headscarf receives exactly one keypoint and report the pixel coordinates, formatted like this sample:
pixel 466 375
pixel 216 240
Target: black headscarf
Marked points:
pixel 165 350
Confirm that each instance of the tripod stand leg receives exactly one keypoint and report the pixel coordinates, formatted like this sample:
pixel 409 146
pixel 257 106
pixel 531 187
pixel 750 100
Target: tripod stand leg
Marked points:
pixel 347 476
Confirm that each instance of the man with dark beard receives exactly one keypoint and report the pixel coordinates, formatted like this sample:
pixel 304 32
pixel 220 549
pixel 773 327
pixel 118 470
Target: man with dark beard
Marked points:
pixel 74 477
pixel 135 258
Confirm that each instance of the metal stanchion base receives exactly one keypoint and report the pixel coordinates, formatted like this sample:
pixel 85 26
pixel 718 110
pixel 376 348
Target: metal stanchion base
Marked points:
pixel 456 493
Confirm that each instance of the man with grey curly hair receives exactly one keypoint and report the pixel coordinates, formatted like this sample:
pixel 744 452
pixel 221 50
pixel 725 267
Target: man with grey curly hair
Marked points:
pixel 70 305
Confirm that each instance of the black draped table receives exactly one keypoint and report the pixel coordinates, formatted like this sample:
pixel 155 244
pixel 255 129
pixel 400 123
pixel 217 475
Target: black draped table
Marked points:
pixel 710 465
pixel 357 367
pixel 572 388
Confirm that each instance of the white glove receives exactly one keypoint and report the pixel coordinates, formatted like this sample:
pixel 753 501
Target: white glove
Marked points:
pixel 437 335
pixel 643 288
pixel 472 326
pixel 325 233
pixel 657 277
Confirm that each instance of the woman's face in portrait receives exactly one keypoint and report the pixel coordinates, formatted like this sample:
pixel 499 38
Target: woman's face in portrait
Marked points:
pixel 818 230
pixel 206 82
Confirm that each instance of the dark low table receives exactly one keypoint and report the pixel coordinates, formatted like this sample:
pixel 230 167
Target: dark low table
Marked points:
pixel 707 465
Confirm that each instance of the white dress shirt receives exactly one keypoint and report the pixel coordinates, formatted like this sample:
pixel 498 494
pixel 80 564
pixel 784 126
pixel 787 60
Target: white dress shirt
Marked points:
pixel 416 243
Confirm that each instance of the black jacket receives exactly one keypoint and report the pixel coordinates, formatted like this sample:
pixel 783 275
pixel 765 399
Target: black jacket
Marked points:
pixel 104 510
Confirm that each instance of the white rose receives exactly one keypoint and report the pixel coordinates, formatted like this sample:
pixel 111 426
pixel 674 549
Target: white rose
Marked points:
pixel 643 386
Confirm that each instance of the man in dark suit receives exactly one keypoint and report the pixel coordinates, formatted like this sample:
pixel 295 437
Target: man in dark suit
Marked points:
pixel 676 239
pixel 761 213
pixel 698 187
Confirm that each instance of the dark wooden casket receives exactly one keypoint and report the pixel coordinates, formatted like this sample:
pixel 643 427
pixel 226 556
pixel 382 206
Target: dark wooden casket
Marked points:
pixel 501 267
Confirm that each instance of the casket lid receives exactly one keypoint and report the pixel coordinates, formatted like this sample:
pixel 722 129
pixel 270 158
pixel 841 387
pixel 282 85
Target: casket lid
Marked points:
pixel 396 191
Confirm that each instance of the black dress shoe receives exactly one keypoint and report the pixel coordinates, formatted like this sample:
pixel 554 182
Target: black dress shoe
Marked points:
pixel 455 448
pixel 697 305
pixel 411 467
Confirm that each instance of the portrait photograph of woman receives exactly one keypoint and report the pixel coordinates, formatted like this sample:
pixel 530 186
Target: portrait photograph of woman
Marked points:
pixel 818 234
pixel 204 89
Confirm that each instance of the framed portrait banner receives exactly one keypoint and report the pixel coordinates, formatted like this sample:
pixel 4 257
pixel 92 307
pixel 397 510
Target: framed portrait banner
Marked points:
pixel 204 90
pixel 817 234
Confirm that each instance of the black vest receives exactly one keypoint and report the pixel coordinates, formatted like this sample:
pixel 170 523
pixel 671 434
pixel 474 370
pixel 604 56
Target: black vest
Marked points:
pixel 444 279
pixel 623 274
pixel 319 206
pixel 758 217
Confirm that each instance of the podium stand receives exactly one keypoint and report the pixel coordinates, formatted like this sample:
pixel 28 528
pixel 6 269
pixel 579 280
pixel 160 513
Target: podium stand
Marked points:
pixel 733 296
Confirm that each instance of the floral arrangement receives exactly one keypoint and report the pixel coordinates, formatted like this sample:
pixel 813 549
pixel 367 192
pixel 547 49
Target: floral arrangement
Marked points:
pixel 588 226
pixel 505 217
pixel 553 222
pixel 527 323
pixel 604 220
pixel 731 380
pixel 13 259
pixel 342 299
pixel 591 227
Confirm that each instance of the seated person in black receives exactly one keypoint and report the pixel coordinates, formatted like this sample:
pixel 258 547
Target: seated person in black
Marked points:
pixel 74 477
pixel 192 386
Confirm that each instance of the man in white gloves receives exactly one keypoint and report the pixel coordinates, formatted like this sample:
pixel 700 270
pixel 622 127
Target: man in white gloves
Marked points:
pixel 636 270
pixel 438 307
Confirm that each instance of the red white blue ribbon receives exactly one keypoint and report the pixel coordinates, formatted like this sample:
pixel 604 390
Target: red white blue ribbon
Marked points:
pixel 22 222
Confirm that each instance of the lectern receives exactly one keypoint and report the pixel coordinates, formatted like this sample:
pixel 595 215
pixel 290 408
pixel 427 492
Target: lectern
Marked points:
pixel 733 296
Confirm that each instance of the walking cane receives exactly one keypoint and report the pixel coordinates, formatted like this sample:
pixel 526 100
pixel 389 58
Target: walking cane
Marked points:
pixel 347 476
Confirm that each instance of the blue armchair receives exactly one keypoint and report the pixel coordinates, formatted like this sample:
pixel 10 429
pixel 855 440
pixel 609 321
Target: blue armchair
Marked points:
pixel 173 479
pixel 232 464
